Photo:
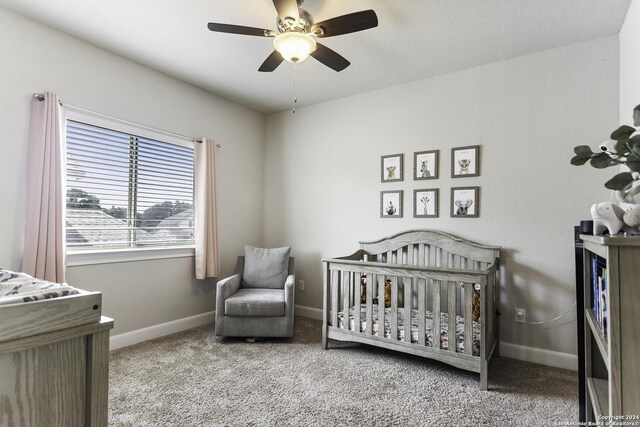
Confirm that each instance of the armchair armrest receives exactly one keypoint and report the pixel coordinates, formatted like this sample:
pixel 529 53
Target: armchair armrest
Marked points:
pixel 289 294
pixel 225 288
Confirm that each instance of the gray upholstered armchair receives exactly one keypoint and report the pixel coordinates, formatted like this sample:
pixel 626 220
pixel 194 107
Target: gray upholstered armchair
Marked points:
pixel 258 300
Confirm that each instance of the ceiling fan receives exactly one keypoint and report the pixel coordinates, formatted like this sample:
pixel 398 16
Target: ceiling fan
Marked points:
pixel 295 39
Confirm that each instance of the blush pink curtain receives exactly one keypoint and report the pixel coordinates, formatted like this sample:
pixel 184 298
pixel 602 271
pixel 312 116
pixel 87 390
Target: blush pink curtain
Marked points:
pixel 206 221
pixel 44 255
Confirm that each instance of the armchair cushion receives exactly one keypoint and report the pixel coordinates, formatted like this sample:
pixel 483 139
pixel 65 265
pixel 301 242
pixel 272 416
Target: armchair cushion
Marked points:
pixel 255 302
pixel 265 268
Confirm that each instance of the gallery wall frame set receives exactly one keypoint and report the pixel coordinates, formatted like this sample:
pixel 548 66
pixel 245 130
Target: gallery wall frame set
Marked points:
pixel 464 202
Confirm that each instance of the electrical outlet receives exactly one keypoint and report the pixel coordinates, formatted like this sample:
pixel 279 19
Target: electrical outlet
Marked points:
pixel 520 316
pixel 301 285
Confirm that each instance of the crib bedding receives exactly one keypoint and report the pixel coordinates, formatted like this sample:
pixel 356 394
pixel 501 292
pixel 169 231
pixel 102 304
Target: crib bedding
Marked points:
pixel 17 287
pixel 444 328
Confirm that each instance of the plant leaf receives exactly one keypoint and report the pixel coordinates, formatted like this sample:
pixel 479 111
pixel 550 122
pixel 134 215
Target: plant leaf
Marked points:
pixel 601 161
pixel 579 161
pixel 634 143
pixel 621 181
pixel 633 162
pixel 583 150
pixel 621 148
pixel 622 133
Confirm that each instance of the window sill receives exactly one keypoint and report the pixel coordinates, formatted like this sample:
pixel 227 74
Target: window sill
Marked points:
pixel 76 258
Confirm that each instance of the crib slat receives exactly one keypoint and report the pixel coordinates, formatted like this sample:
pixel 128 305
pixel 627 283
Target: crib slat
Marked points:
pixel 390 257
pixel 346 283
pixel 408 287
pixel 334 297
pixel 468 318
pixel 357 303
pixel 488 310
pixel 369 315
pixel 435 298
pixel 485 345
pixel 394 308
pixel 452 301
pixel 380 288
pixel 422 285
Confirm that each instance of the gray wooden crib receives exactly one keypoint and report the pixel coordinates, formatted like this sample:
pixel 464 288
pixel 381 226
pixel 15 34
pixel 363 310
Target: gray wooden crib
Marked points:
pixel 426 278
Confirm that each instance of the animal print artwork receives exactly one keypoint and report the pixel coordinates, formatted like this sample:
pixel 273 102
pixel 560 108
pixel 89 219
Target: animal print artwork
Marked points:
pixel 425 203
pixel 425 171
pixel 391 210
pixel 391 172
pixel 464 166
pixel 463 206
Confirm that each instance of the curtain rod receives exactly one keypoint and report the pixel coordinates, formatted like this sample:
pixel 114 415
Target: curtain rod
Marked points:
pixel 40 97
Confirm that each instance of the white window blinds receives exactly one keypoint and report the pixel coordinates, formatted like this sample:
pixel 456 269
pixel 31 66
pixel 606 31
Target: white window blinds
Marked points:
pixel 126 191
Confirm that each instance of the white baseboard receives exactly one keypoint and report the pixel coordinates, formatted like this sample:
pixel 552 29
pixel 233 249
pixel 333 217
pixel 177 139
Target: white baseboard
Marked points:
pixel 540 356
pixel 310 312
pixel 156 331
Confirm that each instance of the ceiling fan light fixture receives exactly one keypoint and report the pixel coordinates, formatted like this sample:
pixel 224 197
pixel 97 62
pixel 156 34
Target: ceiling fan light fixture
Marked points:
pixel 294 46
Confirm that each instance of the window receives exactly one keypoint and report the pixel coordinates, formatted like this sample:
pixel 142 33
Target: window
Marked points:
pixel 126 190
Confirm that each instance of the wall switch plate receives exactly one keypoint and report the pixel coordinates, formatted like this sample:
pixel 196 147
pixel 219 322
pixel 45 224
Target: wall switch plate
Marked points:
pixel 520 315
pixel 301 285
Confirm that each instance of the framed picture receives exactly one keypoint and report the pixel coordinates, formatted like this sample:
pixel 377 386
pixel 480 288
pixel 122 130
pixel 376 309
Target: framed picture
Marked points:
pixel 392 168
pixel 465 161
pixel 391 204
pixel 465 202
pixel 425 164
pixel 425 203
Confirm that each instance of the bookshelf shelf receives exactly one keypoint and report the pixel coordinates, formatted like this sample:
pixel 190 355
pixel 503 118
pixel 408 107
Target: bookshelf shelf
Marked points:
pixel 598 336
pixel 611 325
pixel 599 395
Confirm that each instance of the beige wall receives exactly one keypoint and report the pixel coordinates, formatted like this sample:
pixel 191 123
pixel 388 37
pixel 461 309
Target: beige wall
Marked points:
pixel 322 172
pixel 630 63
pixel 36 58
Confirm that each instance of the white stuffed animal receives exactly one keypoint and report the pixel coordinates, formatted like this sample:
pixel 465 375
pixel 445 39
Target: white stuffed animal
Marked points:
pixel 607 216
pixel 631 216
pixel 632 195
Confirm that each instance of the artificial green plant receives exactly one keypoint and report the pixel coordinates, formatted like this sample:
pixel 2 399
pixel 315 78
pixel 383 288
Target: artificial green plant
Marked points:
pixel 626 151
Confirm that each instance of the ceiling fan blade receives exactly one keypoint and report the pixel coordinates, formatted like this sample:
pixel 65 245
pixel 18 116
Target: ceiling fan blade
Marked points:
pixel 330 58
pixel 272 62
pixel 287 9
pixel 239 29
pixel 346 24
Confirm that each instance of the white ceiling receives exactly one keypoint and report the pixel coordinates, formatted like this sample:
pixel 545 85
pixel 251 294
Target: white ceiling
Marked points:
pixel 415 39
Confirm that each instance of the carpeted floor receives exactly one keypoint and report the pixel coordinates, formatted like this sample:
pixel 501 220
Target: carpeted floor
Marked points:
pixel 196 379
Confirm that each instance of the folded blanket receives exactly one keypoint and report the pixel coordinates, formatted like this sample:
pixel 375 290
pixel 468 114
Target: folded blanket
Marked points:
pixel 20 287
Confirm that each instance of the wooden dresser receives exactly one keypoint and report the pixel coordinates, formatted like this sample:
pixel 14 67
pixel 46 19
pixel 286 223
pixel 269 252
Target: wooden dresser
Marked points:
pixel 54 362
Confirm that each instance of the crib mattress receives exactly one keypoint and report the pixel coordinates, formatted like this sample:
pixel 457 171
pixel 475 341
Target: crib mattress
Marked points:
pixel 18 287
pixel 444 327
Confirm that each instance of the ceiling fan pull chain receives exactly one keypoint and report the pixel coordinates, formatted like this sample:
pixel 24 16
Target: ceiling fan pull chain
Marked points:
pixel 295 91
